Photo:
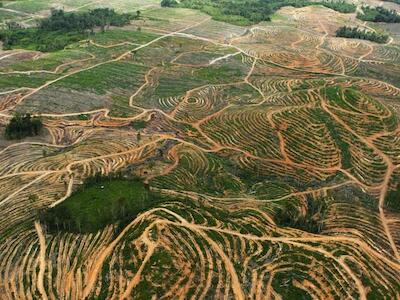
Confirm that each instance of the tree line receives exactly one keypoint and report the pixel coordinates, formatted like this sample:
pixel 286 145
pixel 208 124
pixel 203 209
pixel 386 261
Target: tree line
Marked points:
pixel 245 12
pixel 378 14
pixel 99 17
pixel 394 1
pixel 61 29
pixel 358 33
pixel 23 125
pixel 340 6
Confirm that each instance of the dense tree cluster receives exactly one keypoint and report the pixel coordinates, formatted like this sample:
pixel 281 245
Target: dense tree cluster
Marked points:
pixel 394 1
pixel 245 12
pixel 61 29
pixel 255 11
pixel 358 33
pixel 99 17
pixel 34 39
pixel 168 3
pixel 21 126
pixel 378 14
pixel 340 6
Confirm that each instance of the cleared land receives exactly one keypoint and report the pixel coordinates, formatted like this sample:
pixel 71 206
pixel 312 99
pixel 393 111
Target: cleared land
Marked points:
pixel 268 158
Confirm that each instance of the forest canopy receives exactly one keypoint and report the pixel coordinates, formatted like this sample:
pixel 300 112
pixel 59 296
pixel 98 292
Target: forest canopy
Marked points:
pixel 21 126
pixel 394 1
pixel 358 33
pixel 247 12
pixel 61 29
pixel 378 14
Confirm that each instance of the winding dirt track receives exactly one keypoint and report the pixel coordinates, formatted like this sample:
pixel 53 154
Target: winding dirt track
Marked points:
pixel 42 260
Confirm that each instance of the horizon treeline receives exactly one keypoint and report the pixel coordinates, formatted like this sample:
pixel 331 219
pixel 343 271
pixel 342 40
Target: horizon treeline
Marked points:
pixel 247 12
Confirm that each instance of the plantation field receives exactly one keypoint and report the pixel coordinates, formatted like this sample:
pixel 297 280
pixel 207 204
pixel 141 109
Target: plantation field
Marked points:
pixel 182 157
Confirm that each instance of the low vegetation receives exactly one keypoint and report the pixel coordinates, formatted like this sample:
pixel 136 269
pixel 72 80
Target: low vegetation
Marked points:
pixel 358 33
pixel 61 29
pixel 378 14
pixel 101 201
pixel 138 124
pixel 21 126
pixel 392 200
pixel 311 220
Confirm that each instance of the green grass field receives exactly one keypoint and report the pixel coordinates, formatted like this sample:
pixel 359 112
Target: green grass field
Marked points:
pixel 101 202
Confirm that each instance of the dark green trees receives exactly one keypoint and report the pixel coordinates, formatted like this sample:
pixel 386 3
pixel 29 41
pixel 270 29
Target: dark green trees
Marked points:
pixel 168 3
pixel 80 22
pixel 246 12
pixel 394 1
pixel 22 126
pixel 61 29
pixel 340 6
pixel 357 33
pixel 378 14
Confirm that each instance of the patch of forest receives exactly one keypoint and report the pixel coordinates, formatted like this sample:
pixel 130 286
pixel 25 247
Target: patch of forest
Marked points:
pixel 21 126
pixel 358 33
pixel 394 1
pixel 378 14
pixel 247 12
pixel 61 29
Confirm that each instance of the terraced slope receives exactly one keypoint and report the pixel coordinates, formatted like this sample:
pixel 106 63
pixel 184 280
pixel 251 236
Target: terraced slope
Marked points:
pixel 275 149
